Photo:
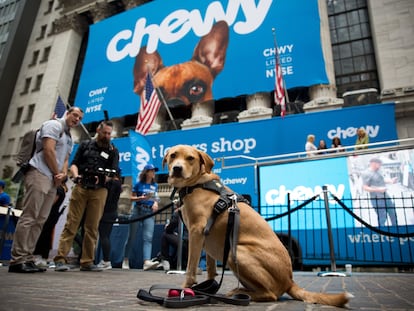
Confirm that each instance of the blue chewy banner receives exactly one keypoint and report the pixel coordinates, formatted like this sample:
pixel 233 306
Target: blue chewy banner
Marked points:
pixel 265 137
pixel 281 135
pixel 165 34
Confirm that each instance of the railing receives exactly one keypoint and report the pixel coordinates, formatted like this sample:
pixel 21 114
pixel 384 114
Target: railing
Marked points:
pixel 243 161
pixel 354 236
pixel 344 231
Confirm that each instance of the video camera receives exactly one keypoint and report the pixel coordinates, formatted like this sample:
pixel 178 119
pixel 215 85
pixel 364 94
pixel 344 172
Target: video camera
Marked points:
pixel 92 178
pixel 107 172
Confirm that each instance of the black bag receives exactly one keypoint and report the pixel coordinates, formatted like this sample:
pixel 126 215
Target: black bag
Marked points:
pixel 26 152
pixel 27 149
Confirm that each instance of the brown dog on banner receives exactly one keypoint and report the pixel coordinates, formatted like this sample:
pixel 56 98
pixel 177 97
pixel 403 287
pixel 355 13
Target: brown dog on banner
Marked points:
pixel 263 264
pixel 190 82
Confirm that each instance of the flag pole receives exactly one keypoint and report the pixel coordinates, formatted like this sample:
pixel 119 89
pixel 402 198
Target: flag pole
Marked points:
pixel 67 108
pixel 161 97
pixel 277 60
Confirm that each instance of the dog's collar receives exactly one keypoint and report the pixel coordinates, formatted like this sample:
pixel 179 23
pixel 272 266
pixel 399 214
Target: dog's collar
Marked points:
pixel 212 185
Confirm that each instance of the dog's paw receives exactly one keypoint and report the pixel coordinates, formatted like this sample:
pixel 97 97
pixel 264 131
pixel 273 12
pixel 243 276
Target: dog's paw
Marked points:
pixel 238 291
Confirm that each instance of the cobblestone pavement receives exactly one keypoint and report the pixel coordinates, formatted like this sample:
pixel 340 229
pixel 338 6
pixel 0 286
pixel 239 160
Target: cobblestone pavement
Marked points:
pixel 116 289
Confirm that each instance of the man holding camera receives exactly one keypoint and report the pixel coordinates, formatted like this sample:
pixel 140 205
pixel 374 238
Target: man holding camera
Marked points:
pixel 94 163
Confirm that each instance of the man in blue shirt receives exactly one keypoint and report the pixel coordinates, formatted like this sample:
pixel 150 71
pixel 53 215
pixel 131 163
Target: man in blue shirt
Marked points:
pixel 375 184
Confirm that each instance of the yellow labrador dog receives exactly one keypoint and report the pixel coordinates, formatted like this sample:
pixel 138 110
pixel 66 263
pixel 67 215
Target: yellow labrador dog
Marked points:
pixel 263 264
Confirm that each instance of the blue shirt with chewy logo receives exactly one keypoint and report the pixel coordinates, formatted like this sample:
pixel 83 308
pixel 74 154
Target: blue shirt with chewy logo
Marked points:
pixel 141 188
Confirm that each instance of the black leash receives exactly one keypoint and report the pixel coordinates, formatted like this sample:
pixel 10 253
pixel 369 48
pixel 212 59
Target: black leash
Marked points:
pixel 129 221
pixel 232 236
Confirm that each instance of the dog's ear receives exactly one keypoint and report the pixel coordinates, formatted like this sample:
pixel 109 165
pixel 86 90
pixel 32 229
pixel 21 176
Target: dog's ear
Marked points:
pixel 165 159
pixel 211 50
pixel 143 63
pixel 206 160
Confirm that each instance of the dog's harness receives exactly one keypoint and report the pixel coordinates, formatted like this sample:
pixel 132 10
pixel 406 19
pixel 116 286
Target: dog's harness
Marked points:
pixel 227 200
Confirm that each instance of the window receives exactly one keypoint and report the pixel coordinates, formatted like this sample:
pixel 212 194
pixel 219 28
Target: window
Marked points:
pixel 59 5
pixel 30 113
pixel 34 58
pixel 26 86
pixel 39 79
pixel 2 46
pixel 10 146
pixel 18 116
pixel 12 7
pixel 4 28
pixel 352 48
pixel 49 7
pixel 46 53
pixel 42 32
pixel 19 144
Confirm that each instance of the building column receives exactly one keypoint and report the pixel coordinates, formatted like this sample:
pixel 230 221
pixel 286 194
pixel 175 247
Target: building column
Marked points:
pixel 159 121
pixel 130 4
pixel 101 11
pixel 257 107
pixel 72 21
pixel 200 115
pixel 68 31
pixel 118 127
pixel 323 96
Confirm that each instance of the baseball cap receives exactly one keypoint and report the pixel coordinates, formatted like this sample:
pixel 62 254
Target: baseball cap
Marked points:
pixel 149 167
pixel 2 183
pixel 376 160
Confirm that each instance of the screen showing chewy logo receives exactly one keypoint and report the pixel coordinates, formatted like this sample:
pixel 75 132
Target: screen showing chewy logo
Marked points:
pixel 303 180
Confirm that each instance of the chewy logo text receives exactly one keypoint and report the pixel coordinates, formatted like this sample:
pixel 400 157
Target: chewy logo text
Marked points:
pixel 180 22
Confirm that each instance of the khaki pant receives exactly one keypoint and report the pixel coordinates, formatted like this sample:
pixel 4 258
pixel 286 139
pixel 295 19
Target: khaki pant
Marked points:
pixel 90 202
pixel 37 203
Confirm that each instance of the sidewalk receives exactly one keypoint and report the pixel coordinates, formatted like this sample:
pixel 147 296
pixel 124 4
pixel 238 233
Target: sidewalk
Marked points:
pixel 116 289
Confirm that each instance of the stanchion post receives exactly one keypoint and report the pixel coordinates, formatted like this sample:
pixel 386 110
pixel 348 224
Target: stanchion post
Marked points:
pixel 289 227
pixel 179 249
pixel 328 223
pixel 180 244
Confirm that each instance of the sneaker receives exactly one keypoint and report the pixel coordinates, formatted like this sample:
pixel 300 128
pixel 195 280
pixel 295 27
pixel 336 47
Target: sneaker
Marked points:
pixel 164 265
pixel 149 265
pixel 41 262
pixel 105 265
pixel 91 267
pixel 34 266
pixel 125 264
pixel 61 267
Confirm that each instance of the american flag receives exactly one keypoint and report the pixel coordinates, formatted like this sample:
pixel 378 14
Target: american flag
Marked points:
pixel 60 108
pixel 279 87
pixel 150 104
